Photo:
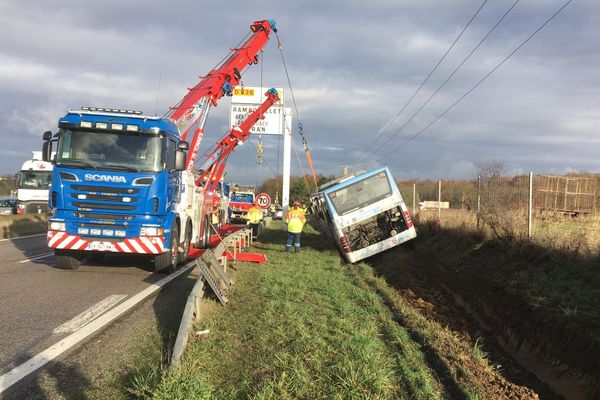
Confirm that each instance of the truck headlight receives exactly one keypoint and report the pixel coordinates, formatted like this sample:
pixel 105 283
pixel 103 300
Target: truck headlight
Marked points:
pixel 151 231
pixel 57 226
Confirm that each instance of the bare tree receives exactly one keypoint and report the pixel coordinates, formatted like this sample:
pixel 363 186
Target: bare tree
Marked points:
pixel 491 169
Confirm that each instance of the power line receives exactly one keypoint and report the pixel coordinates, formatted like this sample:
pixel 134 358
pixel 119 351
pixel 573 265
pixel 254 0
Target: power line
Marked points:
pixel 478 83
pixel 382 132
pixel 381 146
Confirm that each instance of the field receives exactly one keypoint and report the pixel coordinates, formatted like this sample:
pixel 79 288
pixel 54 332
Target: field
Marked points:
pixel 459 314
pixel 534 303
pixel 308 326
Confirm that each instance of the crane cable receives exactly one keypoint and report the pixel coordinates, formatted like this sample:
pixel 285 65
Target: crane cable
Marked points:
pixel 300 126
pixel 490 73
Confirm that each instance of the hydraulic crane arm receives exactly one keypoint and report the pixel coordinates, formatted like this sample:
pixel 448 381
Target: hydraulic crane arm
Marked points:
pixel 191 112
pixel 238 134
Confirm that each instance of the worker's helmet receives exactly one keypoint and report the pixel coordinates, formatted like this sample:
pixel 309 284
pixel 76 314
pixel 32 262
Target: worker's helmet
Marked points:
pixel 297 203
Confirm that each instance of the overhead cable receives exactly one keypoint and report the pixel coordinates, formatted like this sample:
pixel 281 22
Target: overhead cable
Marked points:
pixel 389 124
pixel 478 83
pixel 382 145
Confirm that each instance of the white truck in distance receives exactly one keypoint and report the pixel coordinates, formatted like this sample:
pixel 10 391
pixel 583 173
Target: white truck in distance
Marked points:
pixel 33 185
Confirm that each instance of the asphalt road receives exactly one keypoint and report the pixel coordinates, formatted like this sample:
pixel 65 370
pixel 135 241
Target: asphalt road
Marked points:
pixel 38 302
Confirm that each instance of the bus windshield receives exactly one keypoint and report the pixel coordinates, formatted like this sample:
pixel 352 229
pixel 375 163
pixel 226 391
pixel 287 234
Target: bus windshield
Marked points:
pixel 34 179
pixel 360 194
pixel 107 150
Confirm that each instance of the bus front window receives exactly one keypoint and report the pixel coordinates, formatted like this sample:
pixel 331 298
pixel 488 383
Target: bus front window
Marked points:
pixel 361 193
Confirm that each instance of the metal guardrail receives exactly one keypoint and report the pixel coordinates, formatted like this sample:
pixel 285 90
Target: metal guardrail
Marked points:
pixel 213 266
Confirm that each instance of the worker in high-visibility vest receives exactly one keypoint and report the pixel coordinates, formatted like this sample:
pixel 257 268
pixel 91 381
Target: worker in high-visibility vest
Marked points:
pixel 254 217
pixel 295 219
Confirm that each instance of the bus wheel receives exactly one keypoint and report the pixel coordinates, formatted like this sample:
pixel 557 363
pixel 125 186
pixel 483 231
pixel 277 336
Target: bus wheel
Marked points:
pixel 167 261
pixel 67 259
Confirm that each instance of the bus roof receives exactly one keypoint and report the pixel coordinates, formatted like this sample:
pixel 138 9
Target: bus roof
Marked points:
pixel 358 175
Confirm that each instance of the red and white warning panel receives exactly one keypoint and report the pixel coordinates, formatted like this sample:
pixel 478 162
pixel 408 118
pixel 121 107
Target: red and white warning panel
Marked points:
pixel 140 245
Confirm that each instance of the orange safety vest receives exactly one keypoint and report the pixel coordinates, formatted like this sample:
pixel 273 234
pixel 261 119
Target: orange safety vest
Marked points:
pixel 254 215
pixel 295 219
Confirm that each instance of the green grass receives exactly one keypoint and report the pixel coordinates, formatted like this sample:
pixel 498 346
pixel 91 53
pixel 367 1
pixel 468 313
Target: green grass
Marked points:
pixel 307 326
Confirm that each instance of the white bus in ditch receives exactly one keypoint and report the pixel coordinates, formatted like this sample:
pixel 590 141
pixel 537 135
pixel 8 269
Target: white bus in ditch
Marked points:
pixel 363 213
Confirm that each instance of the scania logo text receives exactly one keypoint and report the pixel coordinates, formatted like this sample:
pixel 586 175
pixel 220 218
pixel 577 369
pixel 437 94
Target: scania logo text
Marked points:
pixel 105 178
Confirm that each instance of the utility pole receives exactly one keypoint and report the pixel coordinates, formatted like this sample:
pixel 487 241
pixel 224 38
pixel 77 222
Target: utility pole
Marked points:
pixel 414 198
pixel 530 205
pixel 440 200
pixel 478 199
pixel 287 146
pixel 345 169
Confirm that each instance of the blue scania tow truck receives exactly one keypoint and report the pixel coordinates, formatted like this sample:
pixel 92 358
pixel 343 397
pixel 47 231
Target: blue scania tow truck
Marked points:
pixel 123 182
pixel 117 186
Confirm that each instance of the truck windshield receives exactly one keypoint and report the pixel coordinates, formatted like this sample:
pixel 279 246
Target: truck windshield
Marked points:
pixel 107 150
pixel 34 180
pixel 361 193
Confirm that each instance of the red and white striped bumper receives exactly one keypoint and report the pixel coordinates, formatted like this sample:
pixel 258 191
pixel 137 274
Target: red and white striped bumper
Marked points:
pixel 140 245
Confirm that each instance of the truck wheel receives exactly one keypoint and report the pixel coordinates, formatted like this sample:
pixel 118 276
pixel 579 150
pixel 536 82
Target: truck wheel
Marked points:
pixel 167 261
pixel 67 259
pixel 97 256
pixel 185 246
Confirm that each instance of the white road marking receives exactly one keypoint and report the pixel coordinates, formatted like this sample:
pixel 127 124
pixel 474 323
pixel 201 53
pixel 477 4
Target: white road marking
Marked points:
pixel 23 237
pixel 35 257
pixel 90 314
pixel 41 359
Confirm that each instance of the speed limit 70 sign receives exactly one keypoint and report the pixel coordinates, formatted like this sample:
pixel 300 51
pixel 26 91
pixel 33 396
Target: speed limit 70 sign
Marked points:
pixel 263 200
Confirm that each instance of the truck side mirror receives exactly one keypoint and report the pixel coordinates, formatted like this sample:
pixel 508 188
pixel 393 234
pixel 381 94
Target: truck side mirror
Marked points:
pixel 47 135
pixel 47 151
pixel 180 156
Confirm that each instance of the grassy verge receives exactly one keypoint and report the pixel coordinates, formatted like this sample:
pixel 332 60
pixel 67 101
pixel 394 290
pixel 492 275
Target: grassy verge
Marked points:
pixel 306 327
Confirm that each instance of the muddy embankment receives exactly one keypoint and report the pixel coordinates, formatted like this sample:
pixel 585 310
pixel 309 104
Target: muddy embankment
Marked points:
pixel 472 286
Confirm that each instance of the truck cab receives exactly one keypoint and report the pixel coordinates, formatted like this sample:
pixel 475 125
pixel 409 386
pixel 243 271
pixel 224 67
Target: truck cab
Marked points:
pixel 33 185
pixel 117 185
pixel 239 204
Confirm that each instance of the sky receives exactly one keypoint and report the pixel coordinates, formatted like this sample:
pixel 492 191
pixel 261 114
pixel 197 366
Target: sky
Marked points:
pixel 353 65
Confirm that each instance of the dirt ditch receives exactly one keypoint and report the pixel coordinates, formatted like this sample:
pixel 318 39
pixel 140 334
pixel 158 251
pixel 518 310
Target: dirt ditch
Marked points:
pixel 529 346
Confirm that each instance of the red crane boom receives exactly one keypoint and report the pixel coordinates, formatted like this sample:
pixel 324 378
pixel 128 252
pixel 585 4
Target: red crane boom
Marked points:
pixel 226 145
pixel 191 112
